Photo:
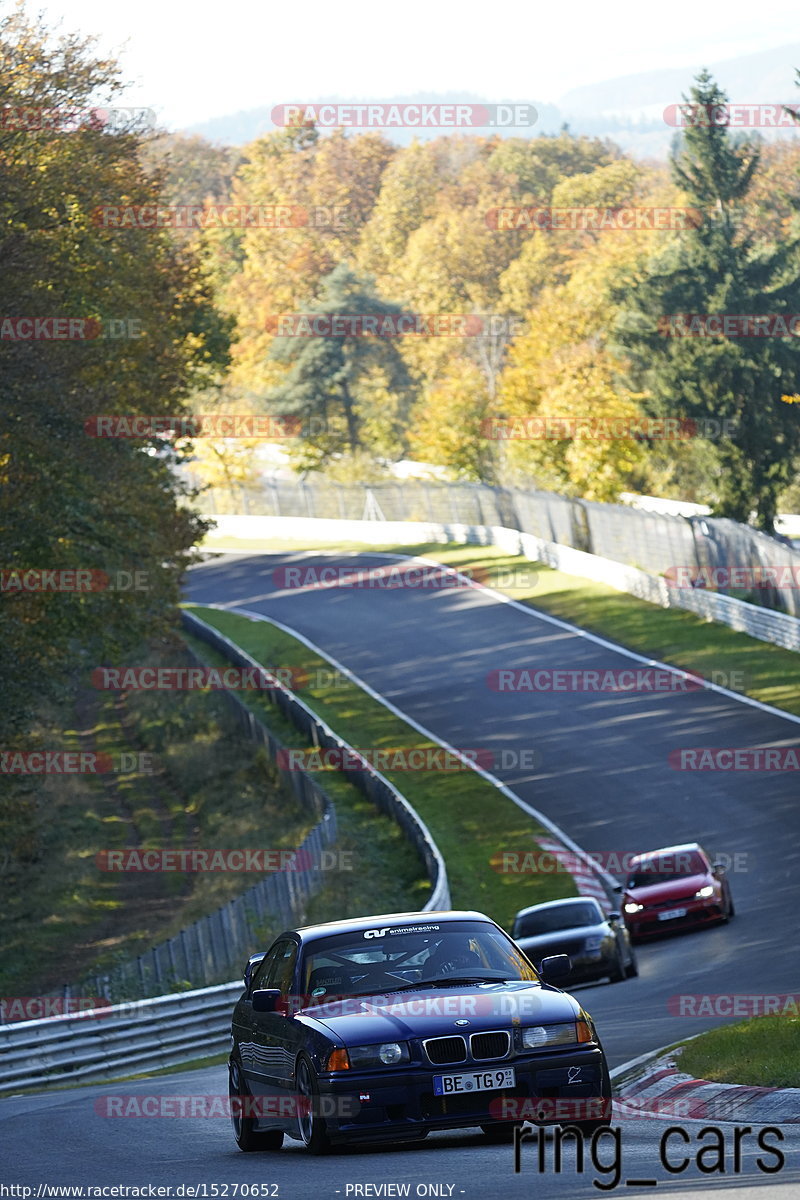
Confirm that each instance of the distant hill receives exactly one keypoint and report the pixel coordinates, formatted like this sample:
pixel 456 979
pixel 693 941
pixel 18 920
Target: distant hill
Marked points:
pixel 628 109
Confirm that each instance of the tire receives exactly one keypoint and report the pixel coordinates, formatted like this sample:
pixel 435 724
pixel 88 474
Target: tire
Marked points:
pixel 311 1126
pixel 500 1134
pixel 632 969
pixel 731 909
pixel 247 1138
pixel 618 975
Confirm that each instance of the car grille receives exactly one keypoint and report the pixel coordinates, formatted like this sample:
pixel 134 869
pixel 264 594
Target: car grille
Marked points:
pixel 489 1045
pixel 675 903
pixel 446 1050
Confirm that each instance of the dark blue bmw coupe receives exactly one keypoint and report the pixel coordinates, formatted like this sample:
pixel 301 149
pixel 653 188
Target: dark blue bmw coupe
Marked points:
pixel 388 1027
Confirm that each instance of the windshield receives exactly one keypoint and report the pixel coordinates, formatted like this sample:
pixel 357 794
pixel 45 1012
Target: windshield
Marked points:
pixel 366 962
pixel 665 867
pixel 553 920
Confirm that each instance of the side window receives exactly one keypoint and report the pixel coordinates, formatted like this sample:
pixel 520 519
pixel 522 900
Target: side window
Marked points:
pixel 281 969
pixel 261 973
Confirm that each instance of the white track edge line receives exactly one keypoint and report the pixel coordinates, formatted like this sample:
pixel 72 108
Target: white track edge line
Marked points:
pixel 556 621
pixel 487 775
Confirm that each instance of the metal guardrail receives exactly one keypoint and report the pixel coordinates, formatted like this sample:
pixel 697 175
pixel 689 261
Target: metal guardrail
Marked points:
pixel 375 786
pixel 123 1039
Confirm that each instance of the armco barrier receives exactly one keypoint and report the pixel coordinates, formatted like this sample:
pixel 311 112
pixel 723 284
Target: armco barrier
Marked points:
pixel 766 624
pixel 371 782
pixel 124 1039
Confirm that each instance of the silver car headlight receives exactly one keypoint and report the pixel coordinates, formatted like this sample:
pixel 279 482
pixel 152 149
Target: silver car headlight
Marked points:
pixel 385 1054
pixel 594 942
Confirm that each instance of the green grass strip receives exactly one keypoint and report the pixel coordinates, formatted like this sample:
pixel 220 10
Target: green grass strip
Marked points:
pixel 760 1052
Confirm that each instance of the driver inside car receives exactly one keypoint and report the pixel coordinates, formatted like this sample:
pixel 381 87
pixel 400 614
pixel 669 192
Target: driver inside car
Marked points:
pixel 452 956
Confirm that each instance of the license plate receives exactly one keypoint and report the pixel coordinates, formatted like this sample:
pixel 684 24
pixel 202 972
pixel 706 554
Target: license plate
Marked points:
pixel 473 1081
pixel 671 913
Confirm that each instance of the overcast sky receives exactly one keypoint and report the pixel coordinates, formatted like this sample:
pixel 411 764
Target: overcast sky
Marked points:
pixel 192 62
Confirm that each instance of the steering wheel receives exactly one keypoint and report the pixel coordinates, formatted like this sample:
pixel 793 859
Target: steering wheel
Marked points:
pixel 458 962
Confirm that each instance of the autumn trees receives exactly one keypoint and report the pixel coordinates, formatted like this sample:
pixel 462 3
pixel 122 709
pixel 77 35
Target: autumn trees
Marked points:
pixel 69 500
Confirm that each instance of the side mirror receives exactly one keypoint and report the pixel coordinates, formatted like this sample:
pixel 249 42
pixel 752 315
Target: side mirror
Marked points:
pixel 252 962
pixel 266 1000
pixel 617 888
pixel 555 967
pixel 718 868
pixel 614 916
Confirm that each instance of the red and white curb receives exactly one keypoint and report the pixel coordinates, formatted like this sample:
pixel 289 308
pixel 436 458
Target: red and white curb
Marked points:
pixel 664 1091
pixel 584 874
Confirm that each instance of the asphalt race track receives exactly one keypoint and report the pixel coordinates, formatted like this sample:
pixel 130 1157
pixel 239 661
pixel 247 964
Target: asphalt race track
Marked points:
pixel 603 777
pixel 602 774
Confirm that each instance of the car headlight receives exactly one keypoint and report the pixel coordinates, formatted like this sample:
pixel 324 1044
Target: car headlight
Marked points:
pixel 534 1037
pixel 631 907
pixel 704 892
pixel 386 1054
pixel 594 942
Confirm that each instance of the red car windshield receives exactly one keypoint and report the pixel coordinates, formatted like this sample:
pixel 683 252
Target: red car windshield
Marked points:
pixel 663 868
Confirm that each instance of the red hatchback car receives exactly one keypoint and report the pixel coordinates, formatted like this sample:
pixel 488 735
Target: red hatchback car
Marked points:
pixel 674 888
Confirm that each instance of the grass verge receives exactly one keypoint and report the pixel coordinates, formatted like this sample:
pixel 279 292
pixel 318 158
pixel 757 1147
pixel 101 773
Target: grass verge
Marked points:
pixel 470 820
pixel 760 1052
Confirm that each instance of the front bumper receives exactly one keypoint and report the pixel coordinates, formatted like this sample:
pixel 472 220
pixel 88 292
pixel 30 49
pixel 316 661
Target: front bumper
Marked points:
pixel 647 923
pixel 400 1102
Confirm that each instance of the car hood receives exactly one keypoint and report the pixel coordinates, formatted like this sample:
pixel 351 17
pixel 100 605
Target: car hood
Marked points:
pixel 432 1012
pixel 548 943
pixel 674 889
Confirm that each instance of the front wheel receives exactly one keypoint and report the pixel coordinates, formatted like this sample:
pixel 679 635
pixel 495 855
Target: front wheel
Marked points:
pixel 247 1138
pixel 632 969
pixel 311 1125
pixel 618 974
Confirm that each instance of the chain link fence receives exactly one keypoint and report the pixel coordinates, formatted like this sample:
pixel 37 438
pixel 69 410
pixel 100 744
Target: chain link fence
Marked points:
pixel 652 541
